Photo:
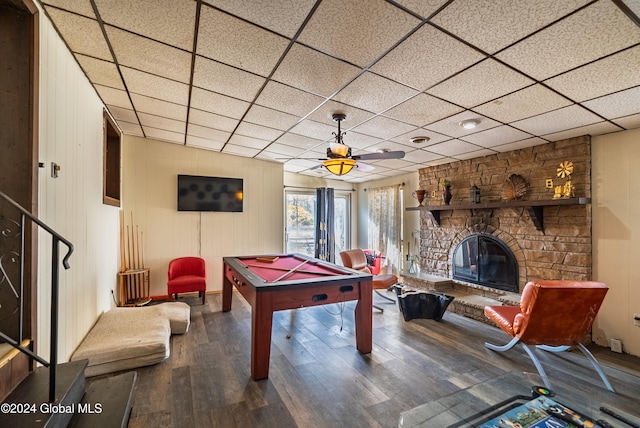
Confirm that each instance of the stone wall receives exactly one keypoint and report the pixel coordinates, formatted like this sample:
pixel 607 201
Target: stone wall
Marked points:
pixel 561 251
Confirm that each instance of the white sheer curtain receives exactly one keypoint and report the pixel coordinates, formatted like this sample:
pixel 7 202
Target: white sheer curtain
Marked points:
pixel 385 225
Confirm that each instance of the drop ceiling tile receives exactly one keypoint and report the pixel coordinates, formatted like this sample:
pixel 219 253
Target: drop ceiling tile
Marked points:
pixel 249 142
pixel 594 129
pixel 374 93
pixel 269 117
pixel 422 110
pixel 480 83
pixel 453 148
pixel 383 145
pixel 281 16
pixel 287 99
pixel 270 156
pixel 611 74
pixel 148 120
pixel 352 30
pixel 451 125
pixel 217 103
pixel 161 134
pixel 476 154
pixel 123 114
pixel 521 104
pixel 616 105
pixel 355 116
pixel 493 25
pixel 130 128
pixel 159 107
pixel 150 56
pixel 313 129
pixel 427 57
pixel 235 42
pixel 83 35
pixel 284 151
pixel 633 5
pixel 496 136
pixel 300 141
pixel 421 156
pixel 394 163
pixel 522 144
pixel 424 8
pixel 314 72
pixel 300 164
pixel 212 120
pixel 598 30
pixel 208 133
pixel 629 122
pixel 204 143
pixel 258 131
pixel 82 7
pixel 558 120
pixel 432 138
pixel 155 87
pixel 114 97
pixel 383 127
pixel 101 72
pixel 217 77
pixel 170 22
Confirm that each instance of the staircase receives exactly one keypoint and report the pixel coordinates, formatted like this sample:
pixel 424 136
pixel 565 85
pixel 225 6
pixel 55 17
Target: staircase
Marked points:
pixel 52 395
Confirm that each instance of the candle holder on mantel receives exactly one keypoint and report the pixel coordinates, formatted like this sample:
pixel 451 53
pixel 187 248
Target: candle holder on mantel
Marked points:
pixel 446 191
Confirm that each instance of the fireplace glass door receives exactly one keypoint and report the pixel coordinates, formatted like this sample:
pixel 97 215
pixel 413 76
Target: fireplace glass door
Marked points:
pixel 485 260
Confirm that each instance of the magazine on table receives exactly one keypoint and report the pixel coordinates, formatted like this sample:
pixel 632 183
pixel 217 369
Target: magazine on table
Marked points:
pixel 540 412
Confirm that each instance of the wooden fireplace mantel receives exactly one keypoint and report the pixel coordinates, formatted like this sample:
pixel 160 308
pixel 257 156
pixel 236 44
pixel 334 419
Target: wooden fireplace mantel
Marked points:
pixel 534 207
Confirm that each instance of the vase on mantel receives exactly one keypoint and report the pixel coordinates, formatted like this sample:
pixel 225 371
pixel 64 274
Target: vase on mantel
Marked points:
pixel 446 195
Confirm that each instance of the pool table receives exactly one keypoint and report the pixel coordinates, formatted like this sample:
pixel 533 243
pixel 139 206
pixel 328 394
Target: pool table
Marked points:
pixel 289 281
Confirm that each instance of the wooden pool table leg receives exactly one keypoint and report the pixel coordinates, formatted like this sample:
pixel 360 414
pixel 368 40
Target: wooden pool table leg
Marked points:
pixel 227 289
pixel 261 322
pixel 363 318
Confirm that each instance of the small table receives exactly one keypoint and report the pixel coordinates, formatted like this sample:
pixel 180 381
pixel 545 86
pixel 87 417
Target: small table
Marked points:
pixel 289 281
pixel 480 403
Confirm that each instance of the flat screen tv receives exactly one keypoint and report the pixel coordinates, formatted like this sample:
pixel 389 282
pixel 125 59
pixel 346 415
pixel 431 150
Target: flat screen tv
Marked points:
pixel 197 193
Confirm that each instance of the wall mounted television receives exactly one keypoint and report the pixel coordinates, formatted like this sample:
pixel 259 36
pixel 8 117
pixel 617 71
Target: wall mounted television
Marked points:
pixel 198 193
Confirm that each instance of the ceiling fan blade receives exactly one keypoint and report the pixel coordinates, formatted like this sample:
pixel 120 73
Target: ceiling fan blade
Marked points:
pixel 364 167
pixel 382 155
pixel 315 167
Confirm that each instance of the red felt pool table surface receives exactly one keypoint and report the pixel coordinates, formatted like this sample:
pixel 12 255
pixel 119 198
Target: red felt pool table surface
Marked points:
pixel 290 267
pixel 293 281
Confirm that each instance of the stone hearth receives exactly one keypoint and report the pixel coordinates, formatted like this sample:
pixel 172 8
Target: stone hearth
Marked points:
pixel 470 299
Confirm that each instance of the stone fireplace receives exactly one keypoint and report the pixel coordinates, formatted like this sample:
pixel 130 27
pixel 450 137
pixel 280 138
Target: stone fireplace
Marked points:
pixel 485 260
pixel 544 242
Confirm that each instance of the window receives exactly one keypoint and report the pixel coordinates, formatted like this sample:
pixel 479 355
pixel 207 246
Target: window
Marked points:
pixel 111 162
pixel 300 218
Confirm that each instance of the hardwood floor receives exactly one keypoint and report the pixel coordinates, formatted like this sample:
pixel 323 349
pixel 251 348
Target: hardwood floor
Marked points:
pixel 318 379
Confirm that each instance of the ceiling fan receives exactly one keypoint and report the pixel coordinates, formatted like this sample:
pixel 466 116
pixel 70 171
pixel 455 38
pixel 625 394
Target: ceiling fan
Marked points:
pixel 340 161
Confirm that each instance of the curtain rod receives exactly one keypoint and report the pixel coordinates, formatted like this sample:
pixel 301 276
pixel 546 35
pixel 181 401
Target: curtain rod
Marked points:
pixel 399 185
pixel 314 188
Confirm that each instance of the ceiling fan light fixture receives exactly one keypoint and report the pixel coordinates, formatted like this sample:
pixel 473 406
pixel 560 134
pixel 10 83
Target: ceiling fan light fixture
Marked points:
pixel 340 166
pixel 470 123
pixel 339 149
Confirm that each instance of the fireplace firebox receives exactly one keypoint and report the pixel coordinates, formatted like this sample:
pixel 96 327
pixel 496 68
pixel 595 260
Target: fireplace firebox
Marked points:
pixel 485 260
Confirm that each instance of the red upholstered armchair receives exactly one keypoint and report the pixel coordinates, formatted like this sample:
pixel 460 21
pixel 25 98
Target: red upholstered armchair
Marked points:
pixel 357 260
pixel 187 274
pixel 552 316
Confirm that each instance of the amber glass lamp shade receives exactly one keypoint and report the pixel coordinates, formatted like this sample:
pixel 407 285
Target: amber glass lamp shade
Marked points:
pixel 339 166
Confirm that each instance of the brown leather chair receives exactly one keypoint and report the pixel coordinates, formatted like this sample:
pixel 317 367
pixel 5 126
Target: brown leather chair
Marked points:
pixel 187 274
pixel 357 260
pixel 552 316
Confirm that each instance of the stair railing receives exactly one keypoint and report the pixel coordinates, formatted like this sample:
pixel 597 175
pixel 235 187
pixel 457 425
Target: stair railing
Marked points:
pixel 52 364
